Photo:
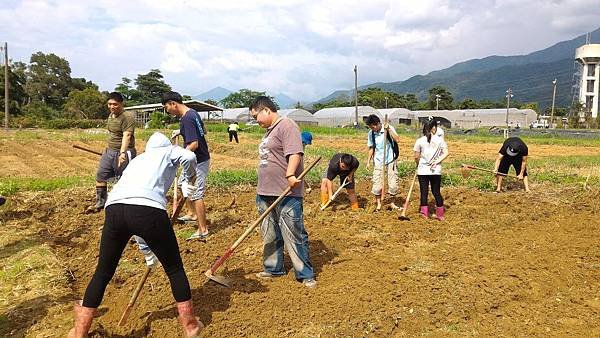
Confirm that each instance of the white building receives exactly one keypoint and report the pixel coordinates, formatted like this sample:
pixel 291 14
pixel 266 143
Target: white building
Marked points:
pixel 397 115
pixel 588 56
pixel 344 116
pixel 476 118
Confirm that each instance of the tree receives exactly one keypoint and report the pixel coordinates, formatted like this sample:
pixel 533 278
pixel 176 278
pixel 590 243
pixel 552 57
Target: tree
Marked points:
pixel 151 86
pixel 48 79
pixel 39 110
pixel 445 102
pixel 130 94
pixel 468 104
pixel 531 105
pixel 242 98
pixel 213 102
pixel 88 103
pixel 16 87
pixel 81 83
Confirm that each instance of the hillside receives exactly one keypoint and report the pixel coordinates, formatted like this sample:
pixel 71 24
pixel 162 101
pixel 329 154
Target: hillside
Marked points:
pixel 530 76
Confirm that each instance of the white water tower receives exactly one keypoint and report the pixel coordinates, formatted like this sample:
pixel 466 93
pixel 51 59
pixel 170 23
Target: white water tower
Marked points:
pixel 588 58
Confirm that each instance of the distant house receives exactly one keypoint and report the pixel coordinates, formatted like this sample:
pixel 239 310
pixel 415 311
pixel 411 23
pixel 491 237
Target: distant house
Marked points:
pixel 142 112
pixel 300 116
pixel 343 116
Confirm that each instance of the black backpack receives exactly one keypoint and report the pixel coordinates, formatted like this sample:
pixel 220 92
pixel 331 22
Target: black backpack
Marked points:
pixel 391 142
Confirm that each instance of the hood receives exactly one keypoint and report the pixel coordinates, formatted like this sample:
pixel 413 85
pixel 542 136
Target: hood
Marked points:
pixel 157 140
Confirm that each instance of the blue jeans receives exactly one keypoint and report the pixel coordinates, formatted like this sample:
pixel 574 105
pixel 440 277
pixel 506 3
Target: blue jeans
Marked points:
pixel 284 226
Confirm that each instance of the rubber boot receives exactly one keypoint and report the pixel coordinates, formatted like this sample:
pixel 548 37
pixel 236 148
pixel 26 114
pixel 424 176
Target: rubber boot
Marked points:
pixel 101 196
pixel 439 213
pixel 191 325
pixel 425 211
pixel 354 206
pixel 324 198
pixel 83 320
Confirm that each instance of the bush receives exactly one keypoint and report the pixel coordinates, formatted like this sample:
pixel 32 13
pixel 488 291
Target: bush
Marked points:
pixel 158 120
pixel 39 110
pixel 23 122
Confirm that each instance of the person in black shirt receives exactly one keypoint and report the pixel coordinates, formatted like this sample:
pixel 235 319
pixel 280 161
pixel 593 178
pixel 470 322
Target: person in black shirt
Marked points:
pixel 513 152
pixel 343 165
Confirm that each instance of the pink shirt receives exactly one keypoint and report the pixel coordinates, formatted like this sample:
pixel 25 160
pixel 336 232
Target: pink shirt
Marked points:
pixel 280 141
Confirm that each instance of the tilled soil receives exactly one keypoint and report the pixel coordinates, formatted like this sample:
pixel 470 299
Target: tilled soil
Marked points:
pixel 511 264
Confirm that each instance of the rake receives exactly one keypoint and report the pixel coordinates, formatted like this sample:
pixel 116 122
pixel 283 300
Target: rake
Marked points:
pixel 210 273
pixel 466 169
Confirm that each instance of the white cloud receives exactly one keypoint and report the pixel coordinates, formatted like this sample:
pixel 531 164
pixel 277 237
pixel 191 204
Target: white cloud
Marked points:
pixel 305 49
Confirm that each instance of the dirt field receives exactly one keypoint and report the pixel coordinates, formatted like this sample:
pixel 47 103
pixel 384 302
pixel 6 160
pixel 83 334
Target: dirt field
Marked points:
pixel 510 264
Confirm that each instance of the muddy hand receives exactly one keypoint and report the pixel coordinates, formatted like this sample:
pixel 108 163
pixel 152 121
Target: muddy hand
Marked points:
pixel 293 181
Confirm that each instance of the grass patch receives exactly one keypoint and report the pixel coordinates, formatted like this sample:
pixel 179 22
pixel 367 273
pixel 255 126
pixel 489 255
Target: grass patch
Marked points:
pixel 225 178
pixel 9 186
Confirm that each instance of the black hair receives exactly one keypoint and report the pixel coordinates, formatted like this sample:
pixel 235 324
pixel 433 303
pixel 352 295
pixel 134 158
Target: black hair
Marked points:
pixel 262 102
pixel 171 96
pixel 347 159
pixel 427 126
pixel 116 96
pixel 372 120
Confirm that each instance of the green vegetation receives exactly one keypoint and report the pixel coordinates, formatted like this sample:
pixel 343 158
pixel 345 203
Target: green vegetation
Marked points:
pixel 9 186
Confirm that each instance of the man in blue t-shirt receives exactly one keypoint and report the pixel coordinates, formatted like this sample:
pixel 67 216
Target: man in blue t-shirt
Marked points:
pixel 193 131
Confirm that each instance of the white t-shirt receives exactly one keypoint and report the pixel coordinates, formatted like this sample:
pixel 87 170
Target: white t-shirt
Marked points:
pixel 429 151
pixel 440 132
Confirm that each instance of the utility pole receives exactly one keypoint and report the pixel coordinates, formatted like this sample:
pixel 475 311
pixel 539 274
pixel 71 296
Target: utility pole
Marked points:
pixel 355 96
pixel 6 100
pixel 437 101
pixel 386 98
pixel 508 96
pixel 553 99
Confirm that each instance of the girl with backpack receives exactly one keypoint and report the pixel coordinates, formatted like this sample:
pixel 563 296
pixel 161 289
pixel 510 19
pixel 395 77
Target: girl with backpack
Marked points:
pixel 430 151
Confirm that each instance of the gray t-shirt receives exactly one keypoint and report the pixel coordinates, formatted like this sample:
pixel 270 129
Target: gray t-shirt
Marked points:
pixel 280 141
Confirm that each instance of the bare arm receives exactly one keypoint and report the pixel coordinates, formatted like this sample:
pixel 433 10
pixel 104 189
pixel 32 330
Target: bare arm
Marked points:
pixel 192 146
pixel 370 156
pixel 290 173
pixel 125 141
pixel 523 167
pixel 417 157
pixel 497 164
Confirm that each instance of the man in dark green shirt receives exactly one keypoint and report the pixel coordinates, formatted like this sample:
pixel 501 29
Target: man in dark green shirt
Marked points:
pixel 120 150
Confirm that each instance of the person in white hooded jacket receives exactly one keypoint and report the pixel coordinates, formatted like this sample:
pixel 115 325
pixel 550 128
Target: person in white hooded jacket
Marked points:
pixel 137 206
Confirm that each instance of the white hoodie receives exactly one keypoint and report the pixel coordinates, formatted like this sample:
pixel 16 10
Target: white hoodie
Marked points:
pixel 149 176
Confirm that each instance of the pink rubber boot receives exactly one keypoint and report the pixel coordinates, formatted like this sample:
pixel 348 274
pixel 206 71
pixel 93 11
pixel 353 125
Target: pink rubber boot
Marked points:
pixel 83 320
pixel 425 211
pixel 191 325
pixel 439 213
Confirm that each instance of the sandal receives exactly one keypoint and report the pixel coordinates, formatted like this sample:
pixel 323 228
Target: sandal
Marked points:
pixel 198 235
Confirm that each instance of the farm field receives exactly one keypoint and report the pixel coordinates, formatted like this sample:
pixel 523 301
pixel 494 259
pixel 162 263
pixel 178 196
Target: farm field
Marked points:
pixel 510 264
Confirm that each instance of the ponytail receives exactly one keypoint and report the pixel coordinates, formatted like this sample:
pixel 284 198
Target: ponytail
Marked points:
pixel 427 126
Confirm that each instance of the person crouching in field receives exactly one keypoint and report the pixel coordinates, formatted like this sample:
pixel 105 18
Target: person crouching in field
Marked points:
pixel 137 206
pixel 430 150
pixel 343 165
pixel 513 152
pixel 376 156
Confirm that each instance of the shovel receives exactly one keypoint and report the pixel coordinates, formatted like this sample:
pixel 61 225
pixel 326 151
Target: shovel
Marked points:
pixel 140 284
pixel 210 273
pixel 344 184
pixel 466 171
pixel 403 216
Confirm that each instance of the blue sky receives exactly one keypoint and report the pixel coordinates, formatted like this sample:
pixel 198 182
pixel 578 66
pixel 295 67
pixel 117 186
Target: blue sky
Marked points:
pixel 304 49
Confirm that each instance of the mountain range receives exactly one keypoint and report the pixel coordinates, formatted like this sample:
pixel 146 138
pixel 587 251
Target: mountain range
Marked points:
pixel 529 76
pixel 219 93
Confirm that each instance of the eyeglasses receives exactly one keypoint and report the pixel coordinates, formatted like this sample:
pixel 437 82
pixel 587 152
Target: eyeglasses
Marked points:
pixel 255 116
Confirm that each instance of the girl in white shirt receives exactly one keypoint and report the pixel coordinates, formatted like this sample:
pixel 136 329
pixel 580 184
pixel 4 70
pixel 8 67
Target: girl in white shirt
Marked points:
pixel 430 151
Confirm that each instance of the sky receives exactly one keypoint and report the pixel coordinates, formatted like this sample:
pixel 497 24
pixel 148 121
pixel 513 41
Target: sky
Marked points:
pixel 304 49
